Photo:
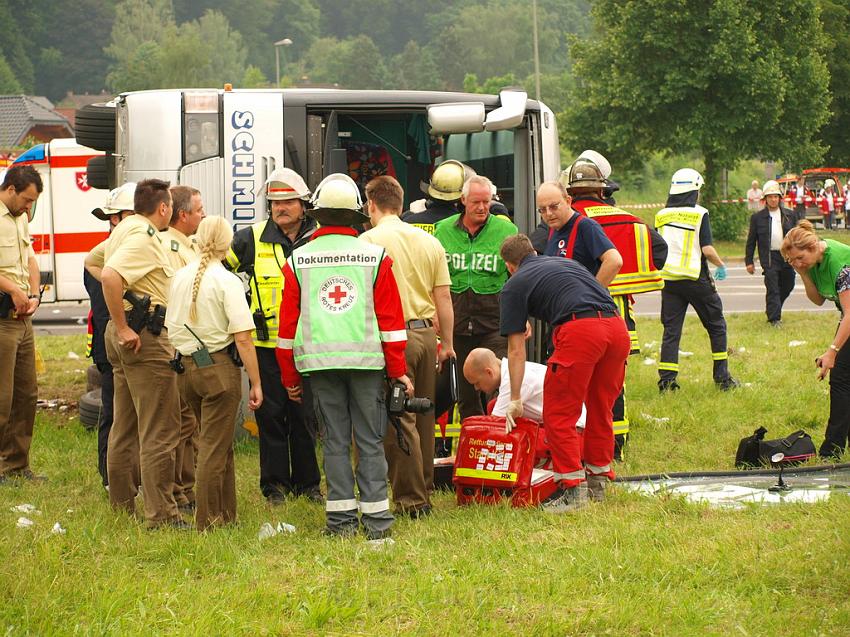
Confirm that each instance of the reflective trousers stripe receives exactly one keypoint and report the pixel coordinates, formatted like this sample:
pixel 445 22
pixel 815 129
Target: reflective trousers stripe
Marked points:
pixel 573 475
pixel 341 505
pixel 668 367
pixel 720 356
pixel 375 507
pixel 595 471
pixel 621 426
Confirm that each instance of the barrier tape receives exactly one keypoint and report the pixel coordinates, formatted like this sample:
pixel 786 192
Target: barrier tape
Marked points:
pixel 838 202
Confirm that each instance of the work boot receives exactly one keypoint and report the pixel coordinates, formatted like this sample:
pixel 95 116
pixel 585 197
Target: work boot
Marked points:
pixel 727 383
pixel 314 495
pixel 667 385
pixel 596 487
pixel 566 500
pixel 345 530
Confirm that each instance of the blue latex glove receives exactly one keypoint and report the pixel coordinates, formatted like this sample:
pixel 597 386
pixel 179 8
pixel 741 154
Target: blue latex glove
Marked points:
pixel 720 273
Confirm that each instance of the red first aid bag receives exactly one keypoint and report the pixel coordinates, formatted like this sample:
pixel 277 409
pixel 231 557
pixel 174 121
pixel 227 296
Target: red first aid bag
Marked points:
pixel 491 465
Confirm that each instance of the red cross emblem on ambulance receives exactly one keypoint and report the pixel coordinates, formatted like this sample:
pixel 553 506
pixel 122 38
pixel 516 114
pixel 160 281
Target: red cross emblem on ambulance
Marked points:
pixel 337 294
pixel 82 181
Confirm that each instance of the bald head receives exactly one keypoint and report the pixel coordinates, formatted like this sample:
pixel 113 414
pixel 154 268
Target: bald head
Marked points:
pixel 553 204
pixel 483 370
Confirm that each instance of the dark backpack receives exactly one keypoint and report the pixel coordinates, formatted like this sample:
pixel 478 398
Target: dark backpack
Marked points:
pixel 755 451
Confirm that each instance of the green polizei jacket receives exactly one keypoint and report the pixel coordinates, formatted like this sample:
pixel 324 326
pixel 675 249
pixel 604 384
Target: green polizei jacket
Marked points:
pixel 474 261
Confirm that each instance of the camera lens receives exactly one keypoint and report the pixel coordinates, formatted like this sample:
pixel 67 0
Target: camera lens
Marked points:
pixel 417 405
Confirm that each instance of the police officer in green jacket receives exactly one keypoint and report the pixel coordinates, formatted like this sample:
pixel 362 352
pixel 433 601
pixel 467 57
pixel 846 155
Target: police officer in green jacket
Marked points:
pixel 472 240
pixel 287 444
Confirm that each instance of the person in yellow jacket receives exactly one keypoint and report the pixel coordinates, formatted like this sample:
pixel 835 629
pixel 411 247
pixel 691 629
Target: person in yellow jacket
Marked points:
pixel 287 445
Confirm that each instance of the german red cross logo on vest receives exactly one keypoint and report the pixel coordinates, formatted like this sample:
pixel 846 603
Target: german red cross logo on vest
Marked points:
pixel 337 294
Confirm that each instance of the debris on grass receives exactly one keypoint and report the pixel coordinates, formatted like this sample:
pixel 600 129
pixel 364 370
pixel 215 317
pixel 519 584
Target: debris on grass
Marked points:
pixel 57 529
pixel 796 343
pixel 26 507
pixel 267 530
pixel 55 403
pixel 24 523
pixel 649 361
pixel 685 354
pixel 381 543
pixel 658 420
pixel 73 356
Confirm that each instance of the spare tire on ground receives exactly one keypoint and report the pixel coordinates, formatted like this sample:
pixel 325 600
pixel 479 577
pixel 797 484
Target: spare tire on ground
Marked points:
pixel 90 407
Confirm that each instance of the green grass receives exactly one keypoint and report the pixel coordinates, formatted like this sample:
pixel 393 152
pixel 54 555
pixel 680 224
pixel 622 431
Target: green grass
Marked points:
pixel 632 566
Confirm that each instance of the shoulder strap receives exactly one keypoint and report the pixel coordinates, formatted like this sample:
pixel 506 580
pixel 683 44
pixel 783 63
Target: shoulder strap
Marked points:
pixel 571 243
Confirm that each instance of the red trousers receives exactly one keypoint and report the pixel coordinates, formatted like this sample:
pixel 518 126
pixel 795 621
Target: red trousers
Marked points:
pixel 587 366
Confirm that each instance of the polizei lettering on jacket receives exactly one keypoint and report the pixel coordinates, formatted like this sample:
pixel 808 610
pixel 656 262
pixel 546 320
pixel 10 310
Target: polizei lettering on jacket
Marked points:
pixel 319 259
pixel 242 166
pixel 481 261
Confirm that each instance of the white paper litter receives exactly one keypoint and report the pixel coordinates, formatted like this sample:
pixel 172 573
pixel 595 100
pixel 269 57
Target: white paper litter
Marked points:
pixel 57 529
pixel 742 349
pixel 73 356
pixel 379 544
pixel 24 508
pixel 24 523
pixel 685 354
pixel 649 361
pixel 656 419
pixel 267 530
pixel 796 343
pixel 650 345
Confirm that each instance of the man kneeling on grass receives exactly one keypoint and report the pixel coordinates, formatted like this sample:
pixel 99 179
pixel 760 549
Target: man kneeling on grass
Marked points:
pixel 587 366
pixel 488 374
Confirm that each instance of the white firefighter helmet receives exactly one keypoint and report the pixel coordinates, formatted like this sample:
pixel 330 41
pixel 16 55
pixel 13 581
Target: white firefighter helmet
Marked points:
pixel 685 180
pixel 337 202
pixel 583 173
pixel 829 183
pixel 285 183
pixel 117 200
pixel 447 180
pixel 600 161
pixel 771 188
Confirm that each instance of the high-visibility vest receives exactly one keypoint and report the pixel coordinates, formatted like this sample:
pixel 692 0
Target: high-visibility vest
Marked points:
pixel 266 283
pixel 338 328
pixel 680 229
pixel 631 237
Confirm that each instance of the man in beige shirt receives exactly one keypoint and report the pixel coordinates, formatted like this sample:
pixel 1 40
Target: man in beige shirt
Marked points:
pixel 420 269
pixel 179 239
pixel 19 299
pixel 147 406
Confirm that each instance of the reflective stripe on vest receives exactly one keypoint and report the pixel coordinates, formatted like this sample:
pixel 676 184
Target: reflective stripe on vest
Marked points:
pixel 631 237
pixel 338 328
pixel 680 229
pixel 267 283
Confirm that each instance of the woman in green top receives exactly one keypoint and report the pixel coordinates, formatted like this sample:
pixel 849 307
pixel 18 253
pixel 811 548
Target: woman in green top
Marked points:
pixel 824 267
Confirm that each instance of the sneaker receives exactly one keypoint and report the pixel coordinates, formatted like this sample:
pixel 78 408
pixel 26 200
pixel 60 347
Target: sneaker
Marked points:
pixel 188 508
pixel 596 487
pixel 176 524
pixel 27 474
pixel 314 495
pixel 727 384
pixel 346 530
pixel 566 500
pixel 668 385
pixel 373 535
pixel 422 512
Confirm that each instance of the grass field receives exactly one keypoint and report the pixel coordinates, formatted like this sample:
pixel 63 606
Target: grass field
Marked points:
pixel 631 566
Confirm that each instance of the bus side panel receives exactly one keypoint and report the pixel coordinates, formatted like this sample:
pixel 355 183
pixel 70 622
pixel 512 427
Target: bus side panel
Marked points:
pixel 206 176
pixel 253 148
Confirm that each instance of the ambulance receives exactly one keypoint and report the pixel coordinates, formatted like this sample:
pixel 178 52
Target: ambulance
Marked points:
pixel 62 227
pixel 226 142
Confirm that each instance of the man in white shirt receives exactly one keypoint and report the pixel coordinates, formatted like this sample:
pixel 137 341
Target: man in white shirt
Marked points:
pixel 768 226
pixel 484 371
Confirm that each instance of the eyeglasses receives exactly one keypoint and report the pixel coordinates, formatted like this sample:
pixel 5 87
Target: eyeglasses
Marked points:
pixel 552 207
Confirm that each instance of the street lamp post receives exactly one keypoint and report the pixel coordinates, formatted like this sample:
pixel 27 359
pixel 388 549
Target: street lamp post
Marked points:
pixel 277 45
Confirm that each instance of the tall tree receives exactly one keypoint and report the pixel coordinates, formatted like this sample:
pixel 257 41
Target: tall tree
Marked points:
pixel 354 63
pixel 728 79
pixel 9 85
pixel 835 17
pixel 15 15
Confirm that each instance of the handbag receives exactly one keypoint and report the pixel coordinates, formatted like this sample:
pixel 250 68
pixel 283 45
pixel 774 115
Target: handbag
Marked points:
pixel 754 451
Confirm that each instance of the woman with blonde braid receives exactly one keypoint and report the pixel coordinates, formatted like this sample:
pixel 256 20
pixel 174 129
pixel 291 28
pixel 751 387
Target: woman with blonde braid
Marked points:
pixel 208 316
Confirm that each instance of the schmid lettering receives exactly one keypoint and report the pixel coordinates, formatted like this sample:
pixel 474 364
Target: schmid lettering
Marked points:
pixel 242 167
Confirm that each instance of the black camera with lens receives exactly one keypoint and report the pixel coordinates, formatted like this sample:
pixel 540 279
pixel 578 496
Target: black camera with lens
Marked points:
pixel 399 403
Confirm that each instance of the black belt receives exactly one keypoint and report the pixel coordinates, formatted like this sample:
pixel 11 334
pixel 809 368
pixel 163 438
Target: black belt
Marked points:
pixel 589 314
pixel 418 324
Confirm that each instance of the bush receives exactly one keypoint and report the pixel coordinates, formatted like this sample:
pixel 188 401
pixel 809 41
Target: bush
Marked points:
pixel 728 220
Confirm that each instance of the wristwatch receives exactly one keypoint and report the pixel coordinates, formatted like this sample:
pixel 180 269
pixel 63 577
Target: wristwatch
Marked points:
pixel 834 348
